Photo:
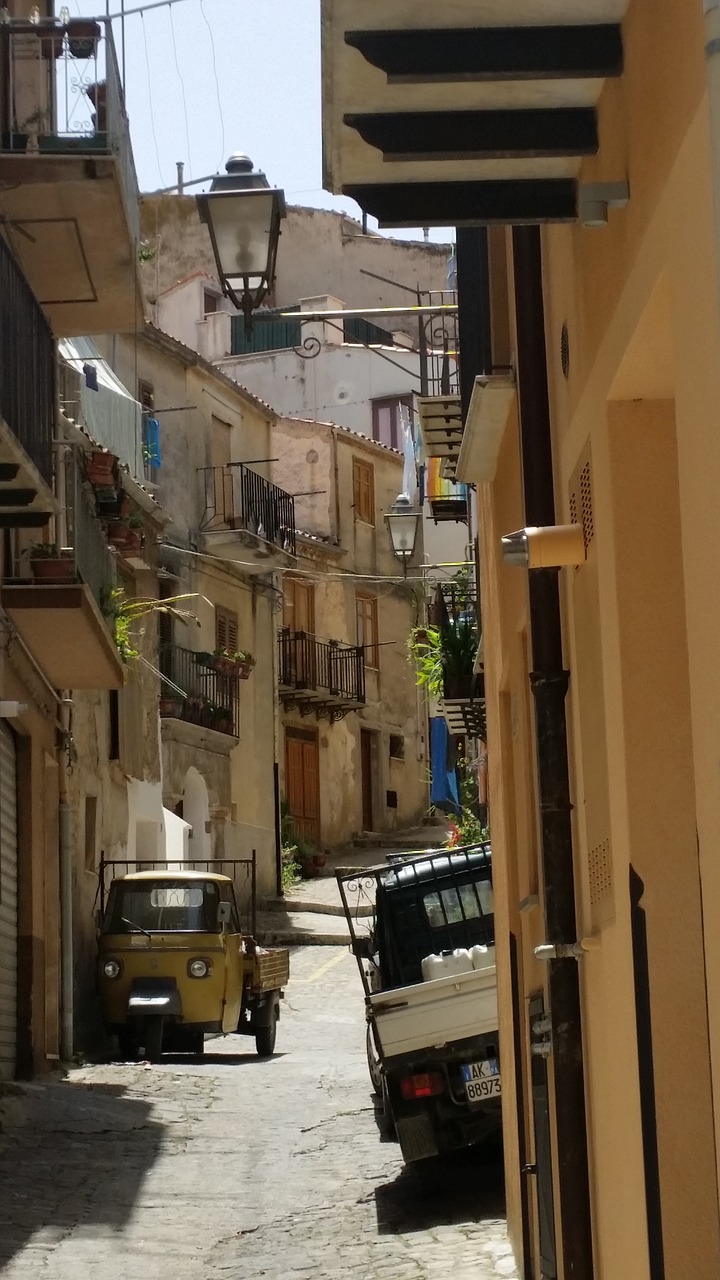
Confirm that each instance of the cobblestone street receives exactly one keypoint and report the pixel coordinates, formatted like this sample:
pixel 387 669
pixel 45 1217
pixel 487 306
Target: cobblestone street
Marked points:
pixel 229 1166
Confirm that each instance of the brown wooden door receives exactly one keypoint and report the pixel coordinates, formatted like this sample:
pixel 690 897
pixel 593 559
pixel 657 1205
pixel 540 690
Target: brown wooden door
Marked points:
pixel 366 744
pixel 302 783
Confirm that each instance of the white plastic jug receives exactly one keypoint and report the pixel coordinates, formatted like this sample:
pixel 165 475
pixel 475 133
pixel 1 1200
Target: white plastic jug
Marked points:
pixel 446 963
pixel 482 957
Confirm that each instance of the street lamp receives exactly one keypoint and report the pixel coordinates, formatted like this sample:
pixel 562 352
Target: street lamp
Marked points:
pixel 242 213
pixel 402 521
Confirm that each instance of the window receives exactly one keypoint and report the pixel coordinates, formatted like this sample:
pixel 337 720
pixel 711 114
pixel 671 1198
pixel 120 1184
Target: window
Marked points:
pixel 364 491
pixel 299 606
pixel 210 302
pixel 146 396
pixel 226 629
pixel 90 832
pixel 367 628
pixel 397 746
pixel 387 419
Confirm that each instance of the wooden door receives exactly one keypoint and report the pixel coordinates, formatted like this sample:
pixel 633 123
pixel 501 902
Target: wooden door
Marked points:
pixel 302 783
pixel 299 618
pixel 366 753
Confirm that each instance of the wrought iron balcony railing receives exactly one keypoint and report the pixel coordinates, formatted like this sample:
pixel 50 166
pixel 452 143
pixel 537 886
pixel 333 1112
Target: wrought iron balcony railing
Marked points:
pixel 62 95
pixel 193 692
pixel 438 345
pixel 27 366
pixel 321 675
pixel 238 498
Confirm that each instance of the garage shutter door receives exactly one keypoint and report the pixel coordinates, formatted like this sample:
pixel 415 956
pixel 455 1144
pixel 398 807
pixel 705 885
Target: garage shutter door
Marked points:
pixel 8 902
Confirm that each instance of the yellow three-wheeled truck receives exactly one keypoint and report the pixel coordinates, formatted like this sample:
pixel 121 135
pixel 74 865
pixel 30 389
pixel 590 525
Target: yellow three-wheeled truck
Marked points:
pixel 175 963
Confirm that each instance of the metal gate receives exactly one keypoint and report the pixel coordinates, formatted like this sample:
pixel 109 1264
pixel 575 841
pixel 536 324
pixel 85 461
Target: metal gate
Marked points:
pixel 8 903
pixel 540 1045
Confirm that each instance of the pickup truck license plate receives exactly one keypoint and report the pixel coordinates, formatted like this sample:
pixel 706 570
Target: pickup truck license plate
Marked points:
pixel 482 1080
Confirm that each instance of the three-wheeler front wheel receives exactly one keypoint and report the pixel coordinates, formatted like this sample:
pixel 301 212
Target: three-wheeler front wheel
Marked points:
pixel 153 1037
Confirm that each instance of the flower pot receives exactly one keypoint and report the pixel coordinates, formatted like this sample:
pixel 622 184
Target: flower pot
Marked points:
pixel 52 569
pixel 14 141
pixel 308 870
pixel 100 469
pixel 242 670
pixel 83 38
pixel 223 723
pixel 224 666
pixel 118 532
pixel 171 707
pixel 319 859
pixel 62 144
pixel 52 39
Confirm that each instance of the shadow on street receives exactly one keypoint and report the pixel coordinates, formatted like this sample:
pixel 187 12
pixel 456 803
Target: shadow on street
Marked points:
pixel 70 1153
pixel 462 1187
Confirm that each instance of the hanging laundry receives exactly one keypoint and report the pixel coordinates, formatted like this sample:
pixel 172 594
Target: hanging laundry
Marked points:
pixel 151 442
pixel 91 376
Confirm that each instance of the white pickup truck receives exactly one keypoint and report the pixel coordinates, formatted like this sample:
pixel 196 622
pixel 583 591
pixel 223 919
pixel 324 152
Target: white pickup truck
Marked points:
pixel 427 961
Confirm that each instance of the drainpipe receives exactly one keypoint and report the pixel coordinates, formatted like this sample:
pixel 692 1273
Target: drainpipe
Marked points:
pixel 67 959
pixel 549 682
pixel 711 9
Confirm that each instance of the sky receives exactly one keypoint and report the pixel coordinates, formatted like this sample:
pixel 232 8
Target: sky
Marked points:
pixel 205 78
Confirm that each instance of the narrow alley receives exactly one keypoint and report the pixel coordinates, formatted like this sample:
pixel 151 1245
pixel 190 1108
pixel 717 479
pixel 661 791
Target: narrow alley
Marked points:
pixel 235 1166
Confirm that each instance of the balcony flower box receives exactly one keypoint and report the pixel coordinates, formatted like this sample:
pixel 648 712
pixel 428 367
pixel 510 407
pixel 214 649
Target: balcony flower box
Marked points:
pixel 83 37
pixel 48 565
pixel 52 39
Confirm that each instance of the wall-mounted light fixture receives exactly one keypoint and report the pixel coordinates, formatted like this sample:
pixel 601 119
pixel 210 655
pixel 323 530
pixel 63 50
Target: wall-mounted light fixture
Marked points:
pixel 403 521
pixel 545 547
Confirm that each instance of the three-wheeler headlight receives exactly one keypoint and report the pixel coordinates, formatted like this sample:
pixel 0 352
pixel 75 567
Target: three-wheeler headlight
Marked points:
pixel 111 969
pixel 199 968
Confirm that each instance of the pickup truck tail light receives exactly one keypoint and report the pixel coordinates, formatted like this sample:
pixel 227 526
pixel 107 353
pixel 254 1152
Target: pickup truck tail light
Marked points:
pixel 422 1086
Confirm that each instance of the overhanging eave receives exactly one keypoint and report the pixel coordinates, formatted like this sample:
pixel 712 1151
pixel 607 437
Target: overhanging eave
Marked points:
pixel 447 204
pixel 493 53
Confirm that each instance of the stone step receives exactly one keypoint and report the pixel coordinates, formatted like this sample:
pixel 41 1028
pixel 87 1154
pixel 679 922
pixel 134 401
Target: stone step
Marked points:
pixel 313 905
pixel 301 929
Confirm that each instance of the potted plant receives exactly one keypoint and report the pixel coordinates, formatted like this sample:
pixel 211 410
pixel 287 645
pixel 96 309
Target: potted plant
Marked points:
pixel 459 647
pixel 172 706
pixel 83 37
pixel 223 720
pixel 52 38
pixel 50 564
pixel 234 663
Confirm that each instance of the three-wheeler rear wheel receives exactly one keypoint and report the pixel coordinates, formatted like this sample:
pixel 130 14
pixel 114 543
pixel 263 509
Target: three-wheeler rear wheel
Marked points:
pixel 265 1039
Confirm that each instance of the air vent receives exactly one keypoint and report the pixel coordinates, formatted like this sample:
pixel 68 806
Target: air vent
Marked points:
pixel 565 351
pixel 581 500
pixel 600 869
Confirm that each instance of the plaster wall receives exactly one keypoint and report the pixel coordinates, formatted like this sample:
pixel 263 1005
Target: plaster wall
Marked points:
pixel 640 303
pixel 320 252
pixel 392 704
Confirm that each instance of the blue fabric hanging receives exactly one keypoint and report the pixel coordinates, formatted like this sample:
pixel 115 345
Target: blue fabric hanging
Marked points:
pixel 151 442
pixel 444 792
pixel 91 376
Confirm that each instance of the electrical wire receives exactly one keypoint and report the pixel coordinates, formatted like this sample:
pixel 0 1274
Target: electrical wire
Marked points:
pixel 296 571
pixel 223 157
pixel 182 87
pixel 150 98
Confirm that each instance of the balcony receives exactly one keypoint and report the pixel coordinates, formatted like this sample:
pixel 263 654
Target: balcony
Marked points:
pixel 247 518
pixel 192 691
pixel 438 405
pixel 70 195
pixel 56 602
pixel 27 402
pixel 321 676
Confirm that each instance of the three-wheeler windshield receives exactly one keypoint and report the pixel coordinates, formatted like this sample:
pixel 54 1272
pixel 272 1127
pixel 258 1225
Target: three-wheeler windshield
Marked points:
pixel 166 906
